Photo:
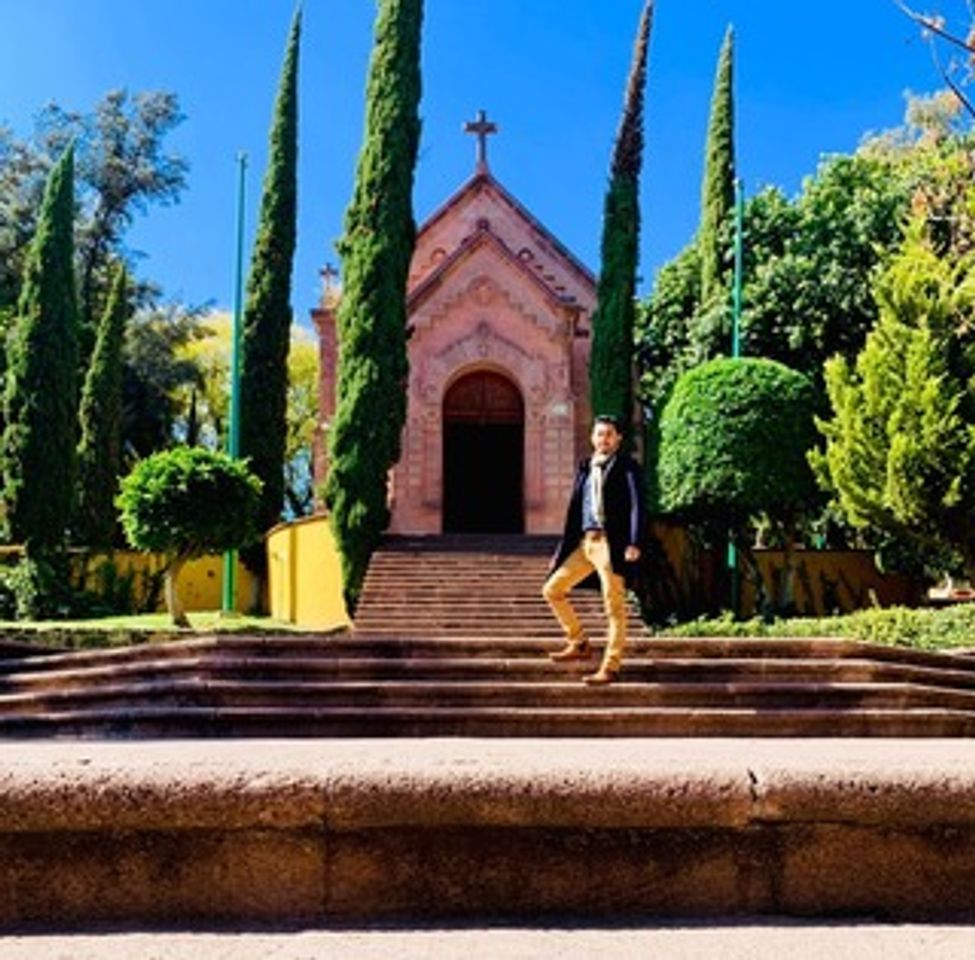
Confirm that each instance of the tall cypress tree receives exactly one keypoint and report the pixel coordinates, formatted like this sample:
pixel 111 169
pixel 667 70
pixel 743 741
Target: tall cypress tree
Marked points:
pixel 100 416
pixel 611 360
pixel 718 188
pixel 41 395
pixel 267 311
pixel 380 233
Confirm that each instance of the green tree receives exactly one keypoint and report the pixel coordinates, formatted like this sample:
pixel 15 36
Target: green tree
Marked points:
pixel 611 359
pixel 812 297
pixel 267 312
pixel 900 446
pixel 718 187
pixel 156 375
pixel 734 436
pixel 207 353
pixel 41 396
pixel 100 415
pixel 123 166
pixel 808 276
pixel 380 235
pixel 185 503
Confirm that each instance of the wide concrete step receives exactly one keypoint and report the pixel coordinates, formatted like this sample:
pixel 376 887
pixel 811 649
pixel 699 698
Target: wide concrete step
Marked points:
pixel 179 692
pixel 392 683
pixel 486 669
pixel 164 835
pixel 599 721
pixel 357 642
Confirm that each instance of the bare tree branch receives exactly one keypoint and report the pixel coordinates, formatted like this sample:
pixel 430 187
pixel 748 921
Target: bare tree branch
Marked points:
pixel 952 84
pixel 930 23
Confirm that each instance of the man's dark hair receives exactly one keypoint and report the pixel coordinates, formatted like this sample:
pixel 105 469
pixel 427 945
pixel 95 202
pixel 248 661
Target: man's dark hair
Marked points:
pixel 609 418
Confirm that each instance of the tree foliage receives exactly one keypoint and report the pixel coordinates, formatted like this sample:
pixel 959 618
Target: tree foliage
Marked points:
pixel 732 454
pixel 718 185
pixel 187 502
pixel 122 167
pixel 100 416
pixel 267 311
pixel 807 277
pixel 157 376
pixel 380 233
pixel 41 395
pixel 611 359
pixel 734 438
pixel 900 446
pixel 205 400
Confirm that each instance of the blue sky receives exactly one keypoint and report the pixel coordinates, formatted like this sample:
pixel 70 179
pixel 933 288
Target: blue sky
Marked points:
pixel 811 79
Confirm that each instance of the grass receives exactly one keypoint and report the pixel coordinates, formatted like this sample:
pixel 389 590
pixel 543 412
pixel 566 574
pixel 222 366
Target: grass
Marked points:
pixel 128 630
pixel 950 628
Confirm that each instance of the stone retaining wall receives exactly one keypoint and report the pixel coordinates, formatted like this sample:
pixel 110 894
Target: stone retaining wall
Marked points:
pixel 195 833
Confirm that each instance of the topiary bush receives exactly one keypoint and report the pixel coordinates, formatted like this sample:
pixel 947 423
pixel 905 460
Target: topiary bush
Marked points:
pixel 734 438
pixel 187 502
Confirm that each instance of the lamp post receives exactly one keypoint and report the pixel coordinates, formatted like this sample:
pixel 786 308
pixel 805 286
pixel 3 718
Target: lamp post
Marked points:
pixel 229 598
pixel 736 352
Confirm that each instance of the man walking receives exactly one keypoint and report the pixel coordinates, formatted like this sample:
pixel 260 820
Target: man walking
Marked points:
pixel 603 532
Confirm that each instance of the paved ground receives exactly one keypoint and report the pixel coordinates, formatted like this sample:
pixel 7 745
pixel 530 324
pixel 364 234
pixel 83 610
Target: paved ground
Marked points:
pixel 745 941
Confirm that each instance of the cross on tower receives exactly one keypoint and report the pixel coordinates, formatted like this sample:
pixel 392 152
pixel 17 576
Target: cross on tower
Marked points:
pixel 329 276
pixel 482 128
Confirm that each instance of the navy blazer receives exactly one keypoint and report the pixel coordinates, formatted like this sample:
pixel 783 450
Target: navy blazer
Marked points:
pixel 623 498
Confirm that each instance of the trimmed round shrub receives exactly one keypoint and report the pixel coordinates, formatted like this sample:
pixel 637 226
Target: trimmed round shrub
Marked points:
pixel 733 442
pixel 187 502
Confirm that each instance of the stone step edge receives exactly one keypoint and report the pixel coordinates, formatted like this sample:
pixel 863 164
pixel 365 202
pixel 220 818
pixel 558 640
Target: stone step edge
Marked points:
pixel 493 693
pixel 281 830
pixel 501 723
pixel 492 667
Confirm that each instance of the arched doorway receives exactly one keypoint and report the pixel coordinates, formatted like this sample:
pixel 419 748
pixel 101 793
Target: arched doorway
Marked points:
pixel 483 464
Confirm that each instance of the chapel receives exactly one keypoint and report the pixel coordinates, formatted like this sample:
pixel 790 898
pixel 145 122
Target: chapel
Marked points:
pixel 499 336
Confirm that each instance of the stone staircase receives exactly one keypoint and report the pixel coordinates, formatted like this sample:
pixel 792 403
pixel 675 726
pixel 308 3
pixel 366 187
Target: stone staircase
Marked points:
pixel 468 586
pixel 451 639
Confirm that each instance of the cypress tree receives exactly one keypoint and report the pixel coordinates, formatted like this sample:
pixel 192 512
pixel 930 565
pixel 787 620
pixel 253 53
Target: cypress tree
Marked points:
pixel 267 311
pixel 41 395
pixel 611 360
pixel 718 189
pixel 100 416
pixel 365 435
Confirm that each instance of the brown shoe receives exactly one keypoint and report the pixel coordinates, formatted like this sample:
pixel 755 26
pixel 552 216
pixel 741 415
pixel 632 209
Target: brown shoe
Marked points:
pixel 573 650
pixel 601 677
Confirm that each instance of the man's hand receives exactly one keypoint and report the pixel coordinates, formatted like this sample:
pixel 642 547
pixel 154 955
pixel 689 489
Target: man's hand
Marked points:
pixel 632 554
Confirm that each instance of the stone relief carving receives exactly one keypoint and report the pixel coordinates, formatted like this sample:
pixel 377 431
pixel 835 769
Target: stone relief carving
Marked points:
pixel 483 291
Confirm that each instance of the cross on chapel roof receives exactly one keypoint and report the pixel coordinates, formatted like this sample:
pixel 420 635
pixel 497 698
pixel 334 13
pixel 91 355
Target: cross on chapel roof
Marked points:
pixel 482 128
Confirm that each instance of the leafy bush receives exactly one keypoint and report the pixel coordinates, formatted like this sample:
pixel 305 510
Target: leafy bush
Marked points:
pixel 920 629
pixel 39 588
pixel 187 502
pixel 734 438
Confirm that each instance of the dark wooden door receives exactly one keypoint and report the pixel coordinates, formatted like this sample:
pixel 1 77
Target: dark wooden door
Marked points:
pixel 484 433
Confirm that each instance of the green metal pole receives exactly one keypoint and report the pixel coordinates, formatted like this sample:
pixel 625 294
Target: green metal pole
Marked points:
pixel 736 352
pixel 233 428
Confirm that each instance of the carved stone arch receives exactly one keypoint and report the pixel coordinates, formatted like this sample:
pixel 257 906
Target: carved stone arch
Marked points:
pixel 486 348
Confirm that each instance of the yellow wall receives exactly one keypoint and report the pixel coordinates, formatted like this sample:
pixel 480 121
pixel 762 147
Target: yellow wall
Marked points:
pixel 305 576
pixel 200 581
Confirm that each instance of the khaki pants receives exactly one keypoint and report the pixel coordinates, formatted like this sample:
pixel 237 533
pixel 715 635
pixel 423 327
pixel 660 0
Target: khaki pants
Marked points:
pixel 591 554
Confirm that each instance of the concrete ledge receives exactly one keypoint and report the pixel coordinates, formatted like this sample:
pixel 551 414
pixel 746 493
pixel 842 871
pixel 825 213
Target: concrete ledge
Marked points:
pixel 193 832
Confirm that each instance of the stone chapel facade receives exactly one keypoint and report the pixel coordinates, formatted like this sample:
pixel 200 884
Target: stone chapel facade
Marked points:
pixel 498 409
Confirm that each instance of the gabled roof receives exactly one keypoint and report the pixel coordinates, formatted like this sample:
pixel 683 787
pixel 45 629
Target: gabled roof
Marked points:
pixel 482 179
pixel 482 237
